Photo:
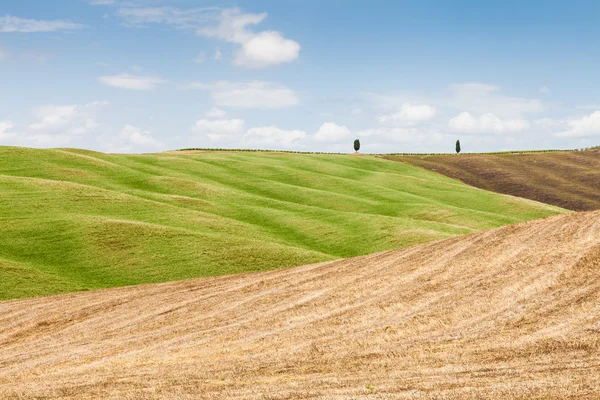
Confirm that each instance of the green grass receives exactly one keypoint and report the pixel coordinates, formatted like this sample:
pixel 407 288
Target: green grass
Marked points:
pixel 77 220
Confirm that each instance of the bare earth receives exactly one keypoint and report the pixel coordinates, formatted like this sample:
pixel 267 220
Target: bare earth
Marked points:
pixel 508 313
pixel 568 179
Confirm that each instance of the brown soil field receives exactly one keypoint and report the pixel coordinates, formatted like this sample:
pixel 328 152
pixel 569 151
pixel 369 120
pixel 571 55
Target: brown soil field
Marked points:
pixel 507 313
pixel 569 179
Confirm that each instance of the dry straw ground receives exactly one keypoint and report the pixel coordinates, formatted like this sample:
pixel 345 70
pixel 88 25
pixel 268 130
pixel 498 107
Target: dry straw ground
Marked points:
pixel 508 313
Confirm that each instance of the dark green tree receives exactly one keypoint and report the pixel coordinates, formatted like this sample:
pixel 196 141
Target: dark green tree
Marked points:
pixel 457 146
pixel 356 145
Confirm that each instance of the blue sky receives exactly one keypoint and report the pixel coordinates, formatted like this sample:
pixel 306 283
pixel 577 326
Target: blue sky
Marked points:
pixel 402 76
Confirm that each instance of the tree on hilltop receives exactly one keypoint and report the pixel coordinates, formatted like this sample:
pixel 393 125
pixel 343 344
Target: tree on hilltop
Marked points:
pixel 457 146
pixel 356 145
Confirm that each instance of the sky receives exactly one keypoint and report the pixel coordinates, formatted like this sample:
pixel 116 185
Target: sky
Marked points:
pixel 134 76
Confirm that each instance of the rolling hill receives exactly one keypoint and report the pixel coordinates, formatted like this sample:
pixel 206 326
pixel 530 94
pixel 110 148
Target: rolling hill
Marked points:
pixel 512 312
pixel 76 220
pixel 569 179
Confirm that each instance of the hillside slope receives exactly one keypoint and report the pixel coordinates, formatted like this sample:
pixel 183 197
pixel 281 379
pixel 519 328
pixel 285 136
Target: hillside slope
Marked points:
pixel 569 179
pixel 508 313
pixel 75 220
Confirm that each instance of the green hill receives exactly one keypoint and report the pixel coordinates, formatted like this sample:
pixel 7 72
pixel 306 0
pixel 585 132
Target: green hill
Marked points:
pixel 75 220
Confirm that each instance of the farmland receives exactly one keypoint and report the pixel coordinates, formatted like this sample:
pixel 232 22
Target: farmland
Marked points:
pixel 568 179
pixel 78 220
pixel 506 313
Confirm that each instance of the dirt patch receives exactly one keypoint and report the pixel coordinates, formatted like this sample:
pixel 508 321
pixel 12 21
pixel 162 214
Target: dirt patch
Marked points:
pixel 566 179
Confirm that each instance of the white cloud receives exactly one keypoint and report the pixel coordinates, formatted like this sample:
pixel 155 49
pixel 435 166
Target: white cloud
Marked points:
pixel 267 49
pixel 179 18
pixel 5 127
pixel 53 116
pixel 134 136
pixel 544 89
pixel 200 58
pixel 479 98
pixel 215 113
pixel 218 54
pixel 48 140
pixel 588 125
pixel 410 114
pixel 219 129
pixel 330 132
pixel 132 82
pixel 261 95
pixel 4 55
pixel 273 136
pixel 56 125
pixel 102 2
pixel 588 107
pixel 89 125
pixel 551 124
pixel 69 119
pixel 257 50
pixel 392 134
pixel 10 23
pixel 388 139
pixel 486 123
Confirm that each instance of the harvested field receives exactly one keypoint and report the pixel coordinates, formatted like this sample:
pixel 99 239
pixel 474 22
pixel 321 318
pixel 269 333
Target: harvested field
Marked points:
pixel 569 179
pixel 507 313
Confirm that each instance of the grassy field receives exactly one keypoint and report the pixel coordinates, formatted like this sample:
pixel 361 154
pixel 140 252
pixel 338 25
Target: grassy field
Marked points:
pixel 509 313
pixel 568 179
pixel 76 220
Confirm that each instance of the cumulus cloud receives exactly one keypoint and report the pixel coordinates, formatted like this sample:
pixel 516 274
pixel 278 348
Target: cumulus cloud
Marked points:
pixel 9 23
pixel 215 113
pixel 219 129
pixel 129 139
pixel 391 134
pixel 588 107
pixel 588 125
pixel 550 124
pixel 273 136
pixel 410 114
pixel 53 116
pixel 254 49
pixel 262 95
pixel 55 125
pixel 5 127
pixel 330 132
pixel 69 119
pixel 257 50
pixel 486 123
pixel 47 140
pixel 267 49
pixel 479 98
pixel 132 135
pixel 132 82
